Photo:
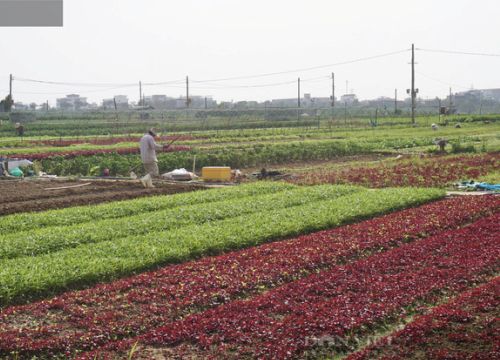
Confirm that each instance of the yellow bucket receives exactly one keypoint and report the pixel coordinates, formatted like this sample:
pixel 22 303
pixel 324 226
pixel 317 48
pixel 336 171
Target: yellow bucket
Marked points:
pixel 216 173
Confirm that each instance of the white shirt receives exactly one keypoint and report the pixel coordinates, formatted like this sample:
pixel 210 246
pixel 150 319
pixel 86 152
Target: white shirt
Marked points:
pixel 148 149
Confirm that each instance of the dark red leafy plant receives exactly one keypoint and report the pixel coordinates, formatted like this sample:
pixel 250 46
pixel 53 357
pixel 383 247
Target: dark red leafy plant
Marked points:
pixel 283 323
pixel 126 308
pixel 429 172
pixel 466 327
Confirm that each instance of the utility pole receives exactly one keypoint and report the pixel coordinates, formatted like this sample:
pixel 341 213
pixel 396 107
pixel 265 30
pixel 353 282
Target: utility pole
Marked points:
pixel 395 101
pixel 439 109
pixel 140 94
pixel 345 112
pixel 333 93
pixel 298 92
pixel 298 100
pixel 480 102
pixel 10 94
pixel 451 102
pixel 187 92
pixel 413 93
pixel 116 113
pixel 47 105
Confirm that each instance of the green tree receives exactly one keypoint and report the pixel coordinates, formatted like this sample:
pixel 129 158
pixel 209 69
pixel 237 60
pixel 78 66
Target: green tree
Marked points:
pixel 6 104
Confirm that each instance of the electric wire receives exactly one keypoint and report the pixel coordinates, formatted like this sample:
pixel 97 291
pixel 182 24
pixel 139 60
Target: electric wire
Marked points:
pixel 214 84
pixel 97 84
pixel 308 68
pixel 442 82
pixel 457 52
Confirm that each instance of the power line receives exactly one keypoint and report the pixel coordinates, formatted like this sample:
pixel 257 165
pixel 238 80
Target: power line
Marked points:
pixel 166 84
pixel 70 83
pixel 96 84
pixel 66 92
pixel 457 52
pixel 214 85
pixel 179 81
pixel 309 68
pixel 232 86
pixel 441 81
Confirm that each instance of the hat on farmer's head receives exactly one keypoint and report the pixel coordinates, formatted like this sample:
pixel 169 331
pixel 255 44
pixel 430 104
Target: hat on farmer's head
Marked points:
pixel 152 132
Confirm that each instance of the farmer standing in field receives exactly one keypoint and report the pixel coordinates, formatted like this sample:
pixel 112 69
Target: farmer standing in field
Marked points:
pixel 148 148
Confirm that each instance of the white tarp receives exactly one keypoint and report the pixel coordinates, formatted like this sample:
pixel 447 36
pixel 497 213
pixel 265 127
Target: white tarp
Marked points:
pixel 18 163
pixel 179 174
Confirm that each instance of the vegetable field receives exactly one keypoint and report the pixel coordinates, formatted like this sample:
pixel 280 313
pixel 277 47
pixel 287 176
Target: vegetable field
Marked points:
pixel 358 254
pixel 437 172
pixel 244 148
pixel 307 295
pixel 54 258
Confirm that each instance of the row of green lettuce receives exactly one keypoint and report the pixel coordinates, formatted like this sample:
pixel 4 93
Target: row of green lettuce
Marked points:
pixel 84 214
pixel 239 156
pixel 187 232
pixel 56 238
pixel 261 154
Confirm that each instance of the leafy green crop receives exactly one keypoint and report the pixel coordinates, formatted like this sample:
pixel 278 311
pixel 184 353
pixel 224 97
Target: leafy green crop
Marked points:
pixel 55 238
pixel 27 277
pixel 82 214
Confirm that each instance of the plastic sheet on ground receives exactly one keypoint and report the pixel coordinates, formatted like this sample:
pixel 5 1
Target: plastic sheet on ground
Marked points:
pixel 179 174
pixel 483 186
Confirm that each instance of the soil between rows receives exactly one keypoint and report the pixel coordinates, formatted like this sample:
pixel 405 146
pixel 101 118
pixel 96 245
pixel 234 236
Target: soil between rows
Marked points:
pixel 26 196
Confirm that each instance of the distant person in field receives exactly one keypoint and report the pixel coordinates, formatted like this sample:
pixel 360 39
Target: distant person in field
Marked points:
pixel 148 148
pixel 19 129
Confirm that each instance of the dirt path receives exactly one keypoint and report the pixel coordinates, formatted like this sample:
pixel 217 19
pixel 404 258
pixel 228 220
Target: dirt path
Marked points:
pixel 24 196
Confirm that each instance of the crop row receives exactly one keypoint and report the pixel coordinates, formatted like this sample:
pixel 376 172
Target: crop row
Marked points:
pixel 428 172
pixel 105 140
pixel 94 126
pixel 235 156
pixel 85 319
pixel 25 277
pixel 464 328
pixel 239 152
pixel 69 154
pixel 56 238
pixel 85 214
pixel 107 123
pixel 332 305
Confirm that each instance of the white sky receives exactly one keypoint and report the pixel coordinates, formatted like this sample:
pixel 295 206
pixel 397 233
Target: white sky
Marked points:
pixel 124 41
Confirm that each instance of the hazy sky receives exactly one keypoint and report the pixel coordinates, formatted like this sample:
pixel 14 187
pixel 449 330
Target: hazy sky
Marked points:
pixel 119 42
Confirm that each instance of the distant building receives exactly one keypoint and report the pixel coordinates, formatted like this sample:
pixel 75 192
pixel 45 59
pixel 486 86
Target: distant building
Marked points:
pixel 196 102
pixel 484 94
pixel 180 103
pixel 20 106
pixel 72 102
pixel 284 102
pixel 121 102
pixel 108 104
pixel 382 102
pixel 315 102
pixel 349 99
pixel 158 101
pixel 226 105
pixel 491 94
